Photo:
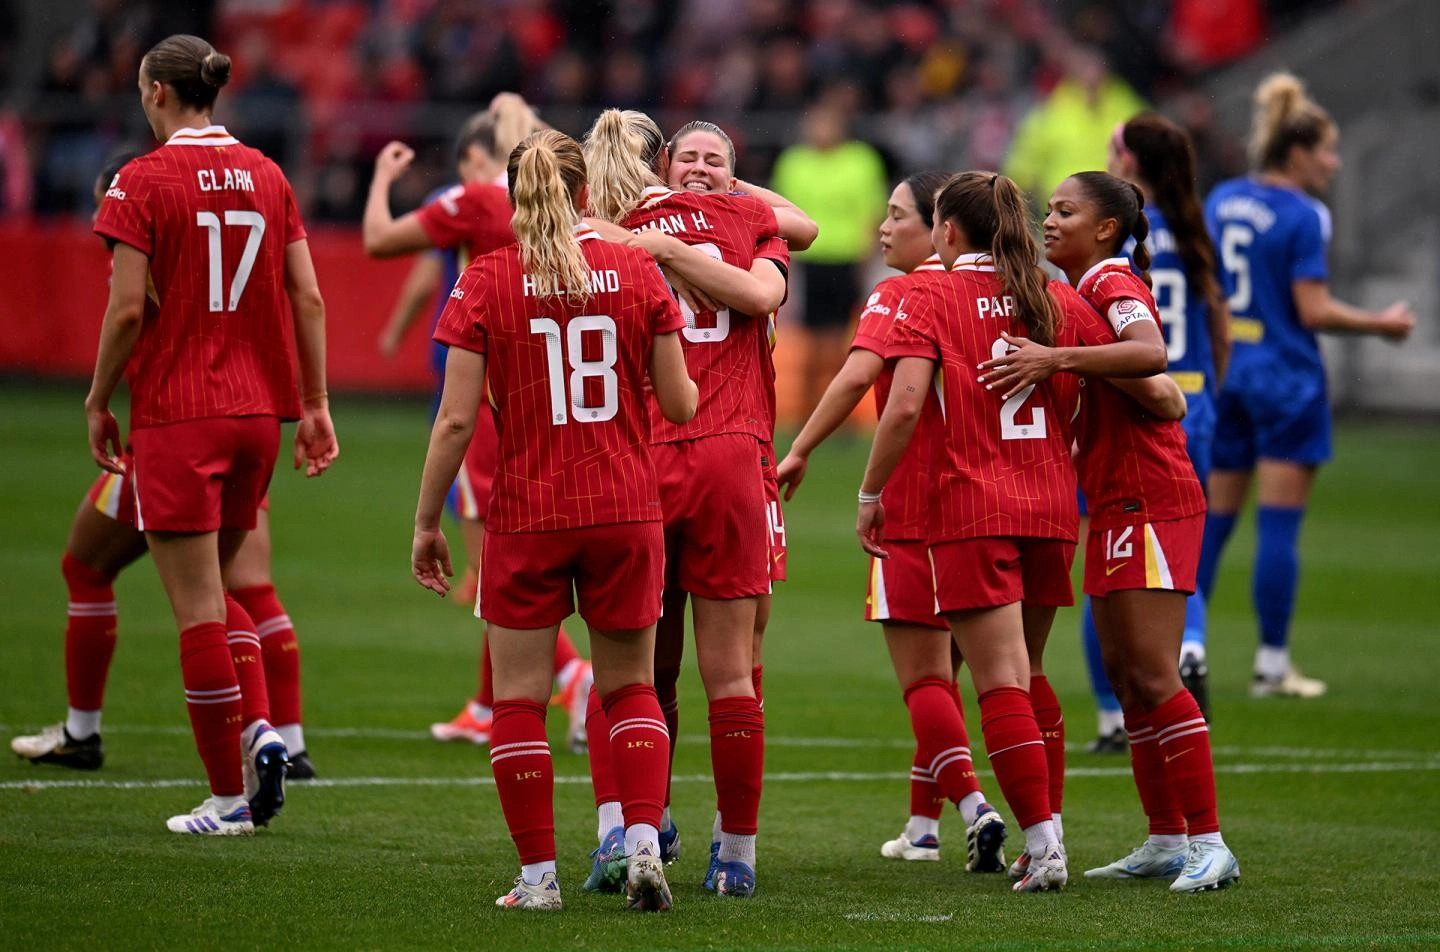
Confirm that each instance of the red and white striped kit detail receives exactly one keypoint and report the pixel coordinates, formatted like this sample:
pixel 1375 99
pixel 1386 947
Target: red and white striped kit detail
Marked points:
pixel 638 724
pixel 539 748
pixel 220 696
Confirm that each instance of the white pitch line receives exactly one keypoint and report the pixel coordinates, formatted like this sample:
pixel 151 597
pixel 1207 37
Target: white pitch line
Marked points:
pixel 840 743
pixel 897 917
pixel 1419 766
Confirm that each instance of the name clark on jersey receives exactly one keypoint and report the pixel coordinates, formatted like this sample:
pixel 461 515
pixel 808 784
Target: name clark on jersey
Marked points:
pixel 212 180
pixel 675 224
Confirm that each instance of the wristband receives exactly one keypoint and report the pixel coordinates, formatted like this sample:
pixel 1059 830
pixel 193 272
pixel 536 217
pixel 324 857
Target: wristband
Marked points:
pixel 322 395
pixel 866 498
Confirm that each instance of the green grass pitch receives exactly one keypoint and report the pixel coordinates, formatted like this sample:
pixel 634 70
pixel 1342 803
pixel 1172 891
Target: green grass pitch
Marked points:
pixel 1331 805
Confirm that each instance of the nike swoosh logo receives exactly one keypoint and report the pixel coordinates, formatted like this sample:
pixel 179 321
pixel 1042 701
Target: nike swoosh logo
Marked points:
pixel 1112 569
pixel 1202 872
pixel 1182 753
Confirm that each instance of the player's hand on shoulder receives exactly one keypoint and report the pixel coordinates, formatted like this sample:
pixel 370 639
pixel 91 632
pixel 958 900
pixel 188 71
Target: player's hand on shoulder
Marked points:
pixel 1026 363
pixel 430 560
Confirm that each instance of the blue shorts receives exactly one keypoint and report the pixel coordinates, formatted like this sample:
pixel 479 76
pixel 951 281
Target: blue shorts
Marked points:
pixel 1252 426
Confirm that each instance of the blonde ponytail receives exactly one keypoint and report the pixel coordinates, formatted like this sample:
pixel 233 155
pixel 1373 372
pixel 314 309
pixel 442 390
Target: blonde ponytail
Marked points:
pixel 621 150
pixel 547 171
pixel 1284 116
pixel 514 120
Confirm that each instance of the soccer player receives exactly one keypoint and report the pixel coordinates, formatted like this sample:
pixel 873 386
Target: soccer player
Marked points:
pixel 901 591
pixel 463 222
pixel 210 265
pixel 1273 412
pixel 103 541
pixel 712 481
pixel 1156 155
pixel 1002 511
pixel 567 326
pixel 1146 518
pixel 702 160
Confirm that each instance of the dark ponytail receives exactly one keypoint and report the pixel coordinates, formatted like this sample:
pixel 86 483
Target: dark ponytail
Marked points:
pixel 991 211
pixel 1165 162
pixel 1123 201
pixel 190 66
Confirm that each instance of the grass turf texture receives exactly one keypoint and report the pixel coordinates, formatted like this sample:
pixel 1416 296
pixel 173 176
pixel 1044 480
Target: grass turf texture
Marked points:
pixel 1329 804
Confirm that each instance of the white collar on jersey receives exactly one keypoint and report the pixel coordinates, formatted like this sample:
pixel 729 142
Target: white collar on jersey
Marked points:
pixel 1107 263
pixel 653 195
pixel 584 232
pixel 210 135
pixel 975 262
pixel 932 263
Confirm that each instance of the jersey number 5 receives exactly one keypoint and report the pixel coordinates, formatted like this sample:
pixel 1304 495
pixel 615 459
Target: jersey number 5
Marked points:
pixel 211 223
pixel 556 355
pixel 1010 409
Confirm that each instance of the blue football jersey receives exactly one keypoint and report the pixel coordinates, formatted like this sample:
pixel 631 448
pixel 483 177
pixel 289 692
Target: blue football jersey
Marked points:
pixel 1184 312
pixel 1268 237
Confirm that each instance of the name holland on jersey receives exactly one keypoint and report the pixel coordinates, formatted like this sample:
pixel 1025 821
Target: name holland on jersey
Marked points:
pixel 600 281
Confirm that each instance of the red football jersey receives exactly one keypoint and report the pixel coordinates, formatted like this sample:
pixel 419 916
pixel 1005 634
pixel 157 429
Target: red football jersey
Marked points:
pixel 1003 466
pixel 907 494
pixel 1132 467
pixel 214 218
pixel 722 349
pixel 567 380
pixel 473 218
pixel 775 249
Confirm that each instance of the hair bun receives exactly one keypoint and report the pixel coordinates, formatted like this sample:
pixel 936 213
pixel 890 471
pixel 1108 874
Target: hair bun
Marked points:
pixel 215 69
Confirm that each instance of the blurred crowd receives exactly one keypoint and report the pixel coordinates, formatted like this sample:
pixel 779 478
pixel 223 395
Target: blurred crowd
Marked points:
pixel 321 84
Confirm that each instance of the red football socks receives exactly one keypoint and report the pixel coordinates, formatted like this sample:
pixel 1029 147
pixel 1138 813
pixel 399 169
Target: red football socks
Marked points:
pixel 602 760
pixel 1017 754
pixel 737 758
pixel 524 778
pixel 1157 798
pixel 1183 739
pixel 640 749
pixel 90 623
pixel 1051 722
pixel 939 729
pixel 279 649
pixel 245 654
pixel 212 698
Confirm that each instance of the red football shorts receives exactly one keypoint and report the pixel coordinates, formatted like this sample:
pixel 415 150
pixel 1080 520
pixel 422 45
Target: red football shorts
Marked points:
pixel 1160 555
pixel 902 588
pixel 478 471
pixel 774 516
pixel 713 495
pixel 999 570
pixel 112 496
pixel 203 475
pixel 534 579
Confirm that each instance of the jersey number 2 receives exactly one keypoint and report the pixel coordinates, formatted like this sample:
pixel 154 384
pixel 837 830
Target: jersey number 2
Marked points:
pixel 211 223
pixel 1010 409
pixel 561 406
